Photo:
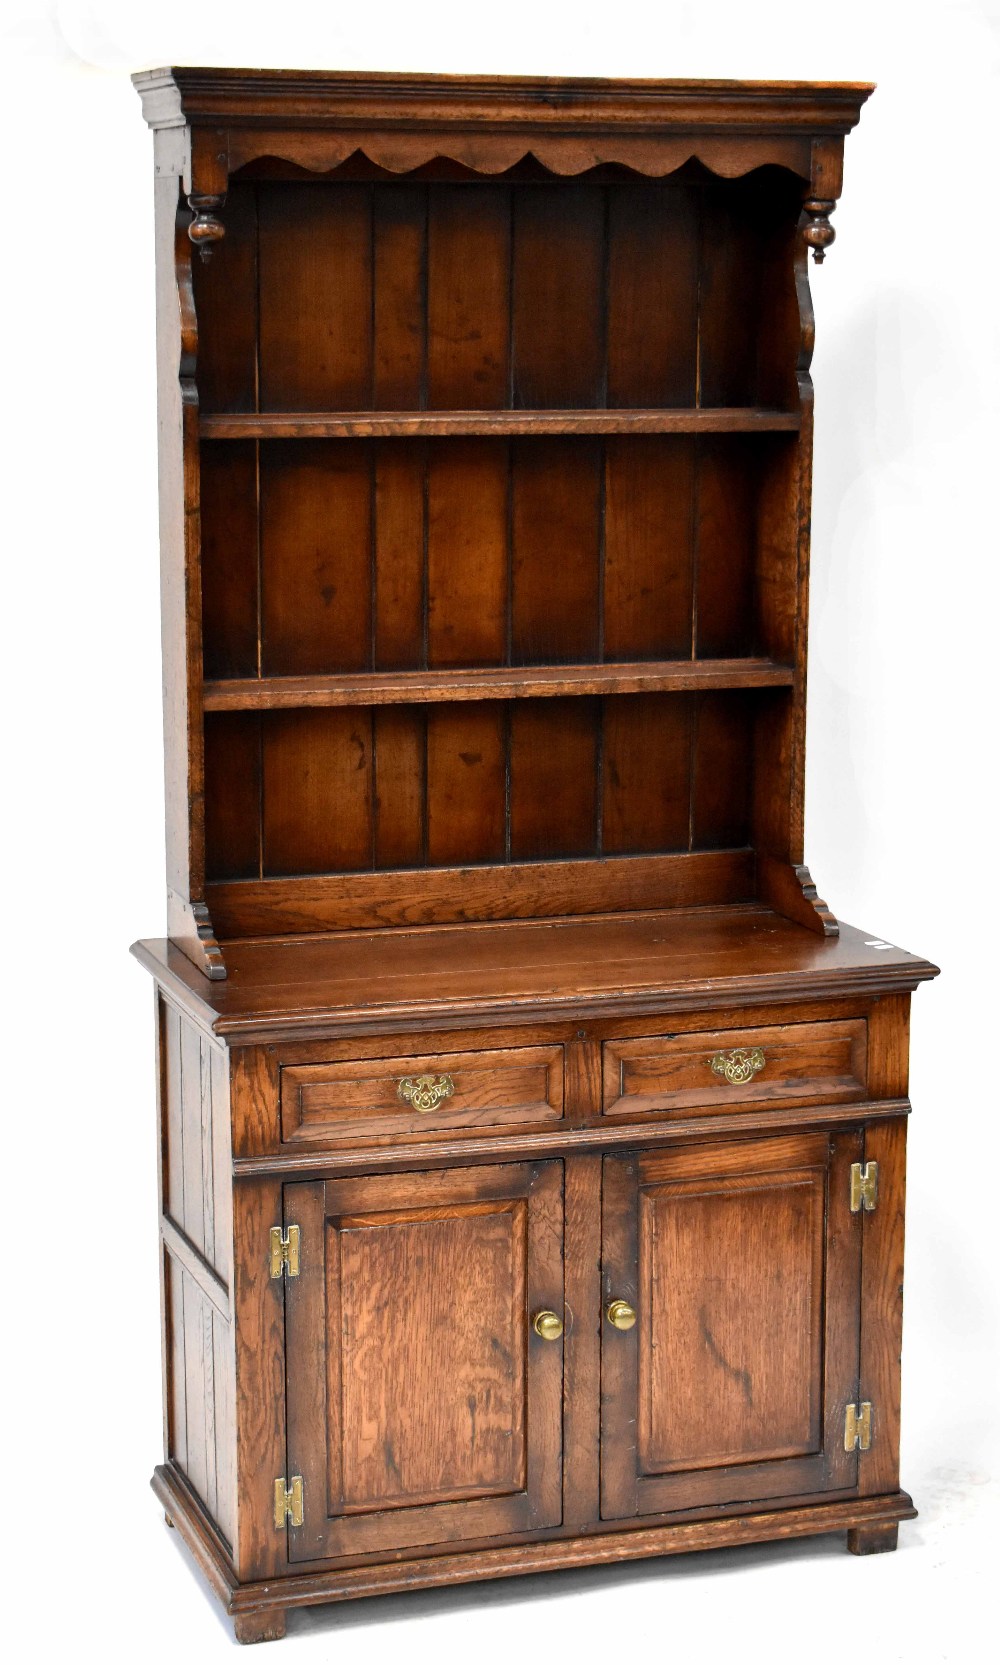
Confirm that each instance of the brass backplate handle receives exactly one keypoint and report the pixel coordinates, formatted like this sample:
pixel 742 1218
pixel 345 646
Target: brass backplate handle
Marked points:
pixel 548 1325
pixel 738 1066
pixel 425 1092
pixel 621 1315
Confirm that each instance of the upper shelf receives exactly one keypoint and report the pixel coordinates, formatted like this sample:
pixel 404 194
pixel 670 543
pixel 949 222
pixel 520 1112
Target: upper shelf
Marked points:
pixel 278 693
pixel 429 423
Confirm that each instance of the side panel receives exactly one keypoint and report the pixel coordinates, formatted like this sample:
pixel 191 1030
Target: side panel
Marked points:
pixel 196 1233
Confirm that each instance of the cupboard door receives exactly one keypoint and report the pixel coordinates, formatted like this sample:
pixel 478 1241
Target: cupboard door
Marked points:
pixel 742 1263
pixel 422 1405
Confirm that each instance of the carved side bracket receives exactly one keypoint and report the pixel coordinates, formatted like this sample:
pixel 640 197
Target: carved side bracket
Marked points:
pixel 189 926
pixel 213 964
pixel 787 887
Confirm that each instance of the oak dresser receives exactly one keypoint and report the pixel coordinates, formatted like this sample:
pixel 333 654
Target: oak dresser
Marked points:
pixel 532 1134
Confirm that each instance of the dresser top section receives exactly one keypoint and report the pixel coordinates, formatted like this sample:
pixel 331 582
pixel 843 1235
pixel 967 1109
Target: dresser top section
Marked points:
pixel 474 974
pixel 230 98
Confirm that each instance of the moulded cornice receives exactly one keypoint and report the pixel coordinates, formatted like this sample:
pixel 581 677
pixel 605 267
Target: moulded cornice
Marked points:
pixel 299 98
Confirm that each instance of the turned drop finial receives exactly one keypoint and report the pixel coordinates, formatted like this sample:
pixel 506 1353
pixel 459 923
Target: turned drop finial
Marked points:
pixel 206 229
pixel 818 232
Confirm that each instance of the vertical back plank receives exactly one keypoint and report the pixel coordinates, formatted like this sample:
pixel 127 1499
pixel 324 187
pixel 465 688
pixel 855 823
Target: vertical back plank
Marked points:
pixel 558 350
pixel 229 558
pixel 400 785
pixel 316 557
pixel 398 235
pixel 232 795
pixel 553 770
pixel 317 791
pixel 556 554
pixel 728 297
pixel 467 552
pixel 400 532
pixel 646 773
pixel 722 772
pixel 648 556
pixel 726 513
pixel 466 783
pixel 225 294
pixel 315 297
pixel 652 295
pixel 468 315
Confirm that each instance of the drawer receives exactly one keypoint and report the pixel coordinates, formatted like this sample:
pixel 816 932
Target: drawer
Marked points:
pixel 442 1092
pixel 711 1070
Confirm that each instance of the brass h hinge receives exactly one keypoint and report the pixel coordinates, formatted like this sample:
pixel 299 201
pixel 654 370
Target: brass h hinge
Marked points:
pixel 864 1187
pixel 288 1502
pixel 285 1252
pixel 858 1426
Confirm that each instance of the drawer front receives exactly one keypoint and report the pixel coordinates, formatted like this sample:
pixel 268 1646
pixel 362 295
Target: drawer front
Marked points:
pixel 716 1070
pixel 442 1092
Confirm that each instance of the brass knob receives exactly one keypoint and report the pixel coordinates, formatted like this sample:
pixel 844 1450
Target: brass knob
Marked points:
pixel 548 1325
pixel 425 1092
pixel 621 1315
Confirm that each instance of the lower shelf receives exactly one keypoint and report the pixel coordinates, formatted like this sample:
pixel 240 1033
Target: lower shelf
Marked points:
pixel 259 1608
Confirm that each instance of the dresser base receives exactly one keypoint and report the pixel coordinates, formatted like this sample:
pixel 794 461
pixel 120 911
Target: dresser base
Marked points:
pixel 871 1524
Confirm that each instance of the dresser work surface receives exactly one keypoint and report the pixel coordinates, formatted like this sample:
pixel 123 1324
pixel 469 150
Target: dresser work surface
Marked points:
pixel 532 1134
pixel 635 963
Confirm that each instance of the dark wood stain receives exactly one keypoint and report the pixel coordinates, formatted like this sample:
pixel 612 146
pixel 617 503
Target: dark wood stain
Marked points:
pixel 486 447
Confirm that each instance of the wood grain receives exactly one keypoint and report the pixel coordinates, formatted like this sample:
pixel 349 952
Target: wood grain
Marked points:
pixel 345 425
pixel 445 1422
pixel 486 450
pixel 315 279
pixel 503 1087
pixel 495 682
pixel 882 1305
pixel 317 791
pixel 824 1062
pixel 688 1419
pixel 313 1588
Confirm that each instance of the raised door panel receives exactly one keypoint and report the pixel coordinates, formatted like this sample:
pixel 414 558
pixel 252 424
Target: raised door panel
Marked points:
pixel 742 1262
pixel 422 1406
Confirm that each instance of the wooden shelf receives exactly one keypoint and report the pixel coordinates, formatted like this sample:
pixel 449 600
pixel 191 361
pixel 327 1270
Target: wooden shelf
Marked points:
pixel 429 423
pixel 282 693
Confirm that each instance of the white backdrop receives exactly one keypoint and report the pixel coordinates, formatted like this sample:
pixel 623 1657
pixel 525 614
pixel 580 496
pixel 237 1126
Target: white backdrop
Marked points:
pixel 901 826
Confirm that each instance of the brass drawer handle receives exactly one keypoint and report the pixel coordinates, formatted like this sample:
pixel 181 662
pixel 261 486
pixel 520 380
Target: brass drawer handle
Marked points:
pixel 621 1315
pixel 739 1066
pixel 425 1092
pixel 548 1325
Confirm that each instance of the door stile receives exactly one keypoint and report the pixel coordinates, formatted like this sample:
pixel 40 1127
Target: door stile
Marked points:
pixel 842 1301
pixel 619 1348
pixel 307 1322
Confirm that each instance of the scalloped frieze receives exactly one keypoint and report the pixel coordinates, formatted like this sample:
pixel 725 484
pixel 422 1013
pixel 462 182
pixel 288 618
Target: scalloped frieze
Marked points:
pixel 489 152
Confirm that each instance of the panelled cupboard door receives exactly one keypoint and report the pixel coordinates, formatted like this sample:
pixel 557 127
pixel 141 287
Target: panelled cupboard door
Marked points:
pixel 423 1408
pixel 742 1263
